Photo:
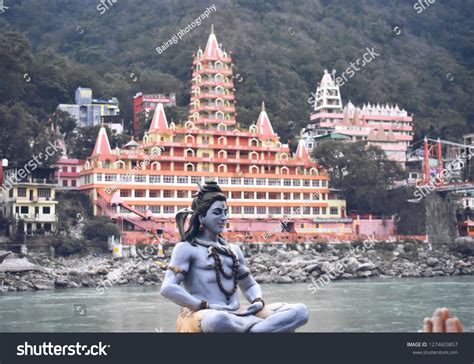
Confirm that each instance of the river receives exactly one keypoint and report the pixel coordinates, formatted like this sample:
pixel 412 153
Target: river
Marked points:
pixel 369 305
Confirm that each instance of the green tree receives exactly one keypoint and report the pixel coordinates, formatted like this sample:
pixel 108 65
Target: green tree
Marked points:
pixel 22 135
pixel 15 60
pixel 99 228
pixel 66 123
pixel 361 171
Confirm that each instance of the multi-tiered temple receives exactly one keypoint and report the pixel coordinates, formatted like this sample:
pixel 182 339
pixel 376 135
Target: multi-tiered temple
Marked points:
pixel 385 126
pixel 272 194
pixel 212 91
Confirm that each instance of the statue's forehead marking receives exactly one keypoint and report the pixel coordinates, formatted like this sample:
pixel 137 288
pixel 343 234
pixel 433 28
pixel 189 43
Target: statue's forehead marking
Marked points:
pixel 219 205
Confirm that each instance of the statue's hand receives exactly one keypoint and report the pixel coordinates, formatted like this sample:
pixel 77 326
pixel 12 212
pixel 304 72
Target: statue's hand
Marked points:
pixel 215 306
pixel 253 309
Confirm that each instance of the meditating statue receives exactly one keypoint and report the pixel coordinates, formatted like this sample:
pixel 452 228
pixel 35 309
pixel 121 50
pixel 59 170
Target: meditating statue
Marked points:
pixel 205 272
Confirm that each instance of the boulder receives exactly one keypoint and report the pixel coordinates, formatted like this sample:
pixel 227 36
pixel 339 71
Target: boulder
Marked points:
pixel 283 255
pixel 400 248
pixel 427 273
pixel 312 267
pixel 364 274
pixel 432 261
pixel 264 278
pixel 101 271
pixel 43 284
pixel 73 284
pixel 87 283
pixel 366 266
pixel 327 267
pixel 150 277
pixel 283 279
pixel 61 283
pixel 352 265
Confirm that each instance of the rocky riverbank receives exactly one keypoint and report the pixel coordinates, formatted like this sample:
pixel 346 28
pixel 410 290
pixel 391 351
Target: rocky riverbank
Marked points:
pixel 304 263
pixel 269 263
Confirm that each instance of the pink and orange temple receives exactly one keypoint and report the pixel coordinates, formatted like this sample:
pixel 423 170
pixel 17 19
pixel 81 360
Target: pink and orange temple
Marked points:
pixel 265 183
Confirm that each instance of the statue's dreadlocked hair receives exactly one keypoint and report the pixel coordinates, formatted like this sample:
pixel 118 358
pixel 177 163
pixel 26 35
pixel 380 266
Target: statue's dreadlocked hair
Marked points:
pixel 208 193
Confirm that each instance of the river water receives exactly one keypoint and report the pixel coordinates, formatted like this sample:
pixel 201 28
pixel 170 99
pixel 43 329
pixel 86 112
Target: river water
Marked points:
pixel 368 305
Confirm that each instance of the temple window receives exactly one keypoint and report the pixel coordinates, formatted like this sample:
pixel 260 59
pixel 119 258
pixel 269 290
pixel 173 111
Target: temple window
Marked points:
pixel 223 180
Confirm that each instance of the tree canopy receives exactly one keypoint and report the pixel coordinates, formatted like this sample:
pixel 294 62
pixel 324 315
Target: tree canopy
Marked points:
pixel 361 171
pixel 280 50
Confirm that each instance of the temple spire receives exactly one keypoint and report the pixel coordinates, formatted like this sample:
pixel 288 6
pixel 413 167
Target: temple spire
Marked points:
pixel 302 153
pixel 159 122
pixel 102 145
pixel 264 126
pixel 213 49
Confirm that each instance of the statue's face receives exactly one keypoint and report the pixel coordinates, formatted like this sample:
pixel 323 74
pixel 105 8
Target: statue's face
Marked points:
pixel 216 217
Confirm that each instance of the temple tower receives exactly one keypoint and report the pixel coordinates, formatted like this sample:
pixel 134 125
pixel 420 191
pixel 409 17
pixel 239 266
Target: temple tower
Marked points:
pixel 212 88
pixel 328 95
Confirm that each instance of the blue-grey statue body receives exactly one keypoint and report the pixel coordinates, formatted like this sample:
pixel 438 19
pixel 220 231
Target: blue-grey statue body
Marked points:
pixel 205 272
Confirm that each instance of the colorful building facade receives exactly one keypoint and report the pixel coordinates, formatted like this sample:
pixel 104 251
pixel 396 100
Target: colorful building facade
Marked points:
pixel 145 104
pixel 68 173
pixel 28 200
pixel 88 111
pixel 387 127
pixel 145 183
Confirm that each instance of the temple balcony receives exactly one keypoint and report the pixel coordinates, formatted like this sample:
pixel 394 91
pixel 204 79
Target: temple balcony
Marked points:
pixel 212 95
pixel 201 121
pixel 214 83
pixel 325 115
pixel 283 149
pixel 259 162
pixel 213 108
pixel 204 58
pixel 223 71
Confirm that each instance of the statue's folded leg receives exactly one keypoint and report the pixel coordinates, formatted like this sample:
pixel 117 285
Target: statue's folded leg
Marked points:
pixel 276 317
pixel 281 317
pixel 213 321
pixel 225 321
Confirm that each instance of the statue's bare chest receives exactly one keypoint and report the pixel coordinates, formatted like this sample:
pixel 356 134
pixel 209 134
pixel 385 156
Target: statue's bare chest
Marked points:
pixel 204 260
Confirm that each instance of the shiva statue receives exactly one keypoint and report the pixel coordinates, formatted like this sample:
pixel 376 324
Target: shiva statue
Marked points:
pixel 205 271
